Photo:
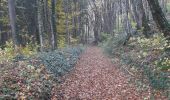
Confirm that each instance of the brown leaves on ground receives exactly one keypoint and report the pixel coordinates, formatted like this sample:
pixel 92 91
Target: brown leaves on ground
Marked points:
pixel 95 77
pixel 22 81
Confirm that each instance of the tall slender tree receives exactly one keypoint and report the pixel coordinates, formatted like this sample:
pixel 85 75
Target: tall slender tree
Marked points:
pixel 67 23
pixel 40 23
pixel 12 15
pixel 53 26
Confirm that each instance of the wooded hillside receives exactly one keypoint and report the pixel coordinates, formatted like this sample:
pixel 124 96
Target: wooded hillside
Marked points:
pixel 50 49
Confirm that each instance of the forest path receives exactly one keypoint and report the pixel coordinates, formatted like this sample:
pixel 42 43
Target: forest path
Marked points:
pixel 95 77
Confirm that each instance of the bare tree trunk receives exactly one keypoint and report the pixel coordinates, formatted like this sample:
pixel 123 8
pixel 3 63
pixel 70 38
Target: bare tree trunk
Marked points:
pixel 67 24
pixel 159 17
pixel 12 15
pixel 97 27
pixel 118 17
pixel 134 4
pixel 40 23
pixel 53 25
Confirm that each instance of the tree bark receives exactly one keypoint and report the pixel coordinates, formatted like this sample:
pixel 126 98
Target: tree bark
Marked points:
pixel 53 26
pixel 159 17
pixel 67 24
pixel 147 30
pixel 12 15
pixel 40 23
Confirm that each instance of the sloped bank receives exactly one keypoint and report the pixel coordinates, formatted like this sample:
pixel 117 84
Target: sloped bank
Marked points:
pixel 146 60
pixel 35 78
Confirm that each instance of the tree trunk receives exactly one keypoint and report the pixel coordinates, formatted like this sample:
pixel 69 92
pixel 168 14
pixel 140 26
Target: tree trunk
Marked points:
pixel 67 24
pixel 53 26
pixel 147 29
pixel 40 23
pixel 97 27
pixel 12 15
pixel 159 17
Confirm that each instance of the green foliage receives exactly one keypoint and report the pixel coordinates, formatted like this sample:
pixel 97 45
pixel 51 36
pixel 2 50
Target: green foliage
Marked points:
pixel 153 50
pixel 29 50
pixel 168 7
pixel 8 53
pixel 60 61
pixel 114 43
pixel 61 27
pixel 156 42
pixel 4 20
pixel 155 45
pixel 74 41
pixel 61 41
pixel 104 37
pixel 109 46
pixel 158 80
pixel 144 55
pixel 133 24
pixel 163 64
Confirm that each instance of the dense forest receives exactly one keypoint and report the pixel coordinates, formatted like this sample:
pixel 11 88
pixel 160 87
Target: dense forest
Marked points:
pixel 84 49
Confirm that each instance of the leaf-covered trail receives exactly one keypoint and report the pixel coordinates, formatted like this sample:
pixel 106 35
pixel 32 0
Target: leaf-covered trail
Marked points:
pixel 95 77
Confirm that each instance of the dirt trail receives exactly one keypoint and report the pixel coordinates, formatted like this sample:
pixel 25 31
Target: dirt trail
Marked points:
pixel 95 77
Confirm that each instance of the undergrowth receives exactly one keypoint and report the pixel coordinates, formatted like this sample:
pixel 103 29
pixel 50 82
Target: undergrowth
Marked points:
pixel 22 81
pixel 60 61
pixel 146 58
pixel 8 52
pixel 36 77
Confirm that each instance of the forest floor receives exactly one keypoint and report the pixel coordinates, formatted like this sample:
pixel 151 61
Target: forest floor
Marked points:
pixel 95 77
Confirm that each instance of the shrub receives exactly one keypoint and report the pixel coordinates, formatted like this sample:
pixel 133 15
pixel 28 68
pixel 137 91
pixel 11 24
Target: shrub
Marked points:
pixel 8 53
pixel 152 52
pixel 144 55
pixel 155 46
pixel 114 43
pixel 104 37
pixel 163 64
pixel 61 41
pixel 60 61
